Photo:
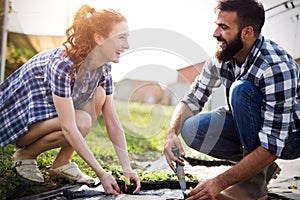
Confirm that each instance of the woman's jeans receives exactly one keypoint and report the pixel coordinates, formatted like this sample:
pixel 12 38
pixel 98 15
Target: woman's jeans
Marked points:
pixel 224 134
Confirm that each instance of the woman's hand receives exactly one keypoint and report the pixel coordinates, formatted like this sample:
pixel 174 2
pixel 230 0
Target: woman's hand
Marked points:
pixel 134 178
pixel 109 184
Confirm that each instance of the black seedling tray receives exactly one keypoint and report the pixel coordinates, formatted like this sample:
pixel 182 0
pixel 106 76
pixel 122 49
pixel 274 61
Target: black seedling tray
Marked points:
pixel 208 163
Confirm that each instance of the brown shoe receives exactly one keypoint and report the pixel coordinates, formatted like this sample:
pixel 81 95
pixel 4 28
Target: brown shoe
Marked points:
pixel 235 192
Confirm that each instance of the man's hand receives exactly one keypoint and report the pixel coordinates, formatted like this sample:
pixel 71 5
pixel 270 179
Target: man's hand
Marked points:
pixel 248 167
pixel 207 189
pixel 173 141
pixel 181 113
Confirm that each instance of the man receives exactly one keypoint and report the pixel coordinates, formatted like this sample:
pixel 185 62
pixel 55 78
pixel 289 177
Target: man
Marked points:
pixel 261 122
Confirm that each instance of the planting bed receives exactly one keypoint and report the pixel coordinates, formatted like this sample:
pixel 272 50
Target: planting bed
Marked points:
pixel 155 185
pixel 207 163
pixel 159 193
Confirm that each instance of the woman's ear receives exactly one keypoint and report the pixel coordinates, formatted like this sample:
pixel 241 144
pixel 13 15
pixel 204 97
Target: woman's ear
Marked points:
pixel 98 38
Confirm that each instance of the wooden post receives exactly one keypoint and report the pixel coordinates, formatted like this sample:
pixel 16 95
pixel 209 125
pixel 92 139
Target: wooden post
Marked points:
pixel 4 40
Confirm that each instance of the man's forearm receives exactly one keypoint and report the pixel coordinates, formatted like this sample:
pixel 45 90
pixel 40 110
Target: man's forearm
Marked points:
pixel 249 166
pixel 181 113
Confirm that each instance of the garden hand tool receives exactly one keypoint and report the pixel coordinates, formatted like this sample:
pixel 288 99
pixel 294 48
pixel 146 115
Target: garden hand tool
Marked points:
pixel 180 171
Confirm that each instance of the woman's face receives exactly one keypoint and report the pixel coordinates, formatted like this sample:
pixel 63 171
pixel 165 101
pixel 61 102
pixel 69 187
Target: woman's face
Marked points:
pixel 116 43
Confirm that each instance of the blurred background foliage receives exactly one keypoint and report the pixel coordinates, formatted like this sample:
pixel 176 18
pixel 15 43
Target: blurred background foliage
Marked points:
pixel 15 56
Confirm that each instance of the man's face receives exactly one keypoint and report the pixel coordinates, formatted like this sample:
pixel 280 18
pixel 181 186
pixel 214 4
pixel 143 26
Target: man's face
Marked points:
pixel 228 36
pixel 232 47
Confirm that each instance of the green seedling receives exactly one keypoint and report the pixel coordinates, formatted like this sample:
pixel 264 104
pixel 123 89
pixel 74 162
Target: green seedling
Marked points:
pixel 125 179
pixel 293 185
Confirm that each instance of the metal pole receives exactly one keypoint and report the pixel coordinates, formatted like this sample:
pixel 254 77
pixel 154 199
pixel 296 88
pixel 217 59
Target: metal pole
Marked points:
pixel 4 39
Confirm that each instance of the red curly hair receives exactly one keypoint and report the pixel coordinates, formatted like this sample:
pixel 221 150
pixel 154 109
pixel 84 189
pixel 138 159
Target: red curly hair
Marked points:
pixel 80 35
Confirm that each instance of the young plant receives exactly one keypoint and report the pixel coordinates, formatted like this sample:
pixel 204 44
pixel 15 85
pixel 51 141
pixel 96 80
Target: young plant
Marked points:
pixel 293 185
pixel 125 179
pixel 126 187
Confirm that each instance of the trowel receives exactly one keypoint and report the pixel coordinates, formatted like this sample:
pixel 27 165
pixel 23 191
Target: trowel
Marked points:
pixel 180 172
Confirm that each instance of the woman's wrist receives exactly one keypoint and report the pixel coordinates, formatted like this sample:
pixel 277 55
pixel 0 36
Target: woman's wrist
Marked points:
pixel 100 173
pixel 127 169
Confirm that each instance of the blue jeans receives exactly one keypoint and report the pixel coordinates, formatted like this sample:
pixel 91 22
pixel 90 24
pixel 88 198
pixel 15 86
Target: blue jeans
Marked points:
pixel 223 134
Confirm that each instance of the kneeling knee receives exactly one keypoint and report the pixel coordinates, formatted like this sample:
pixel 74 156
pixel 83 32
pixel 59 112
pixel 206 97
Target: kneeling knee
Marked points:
pixel 242 91
pixel 187 133
pixel 84 122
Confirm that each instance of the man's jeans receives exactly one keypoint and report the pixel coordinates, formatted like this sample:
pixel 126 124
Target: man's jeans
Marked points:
pixel 219 134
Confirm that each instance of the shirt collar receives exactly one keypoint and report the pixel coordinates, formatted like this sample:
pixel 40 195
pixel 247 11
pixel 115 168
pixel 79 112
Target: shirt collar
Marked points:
pixel 254 51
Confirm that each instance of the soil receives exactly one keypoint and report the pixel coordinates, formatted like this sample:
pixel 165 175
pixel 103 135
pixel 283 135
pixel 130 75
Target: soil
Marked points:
pixel 27 188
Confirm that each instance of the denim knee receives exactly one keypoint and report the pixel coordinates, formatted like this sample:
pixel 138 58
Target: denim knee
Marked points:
pixel 189 130
pixel 246 101
pixel 240 91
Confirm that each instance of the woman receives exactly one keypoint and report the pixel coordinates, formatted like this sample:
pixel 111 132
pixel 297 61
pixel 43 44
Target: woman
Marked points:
pixel 54 98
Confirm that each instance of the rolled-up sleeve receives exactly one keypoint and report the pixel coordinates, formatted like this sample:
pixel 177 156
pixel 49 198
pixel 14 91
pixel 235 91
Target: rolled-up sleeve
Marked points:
pixel 202 87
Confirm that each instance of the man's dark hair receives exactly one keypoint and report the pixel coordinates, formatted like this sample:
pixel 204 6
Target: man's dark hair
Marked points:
pixel 249 12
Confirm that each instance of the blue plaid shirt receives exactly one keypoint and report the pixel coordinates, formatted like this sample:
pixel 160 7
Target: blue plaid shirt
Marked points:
pixel 275 72
pixel 26 95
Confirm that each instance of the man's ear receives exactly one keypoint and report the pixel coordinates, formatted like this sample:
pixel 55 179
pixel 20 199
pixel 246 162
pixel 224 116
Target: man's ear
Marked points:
pixel 247 32
pixel 98 38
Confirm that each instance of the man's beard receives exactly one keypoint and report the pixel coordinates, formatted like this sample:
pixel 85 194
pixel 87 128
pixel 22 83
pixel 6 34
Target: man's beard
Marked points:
pixel 231 48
